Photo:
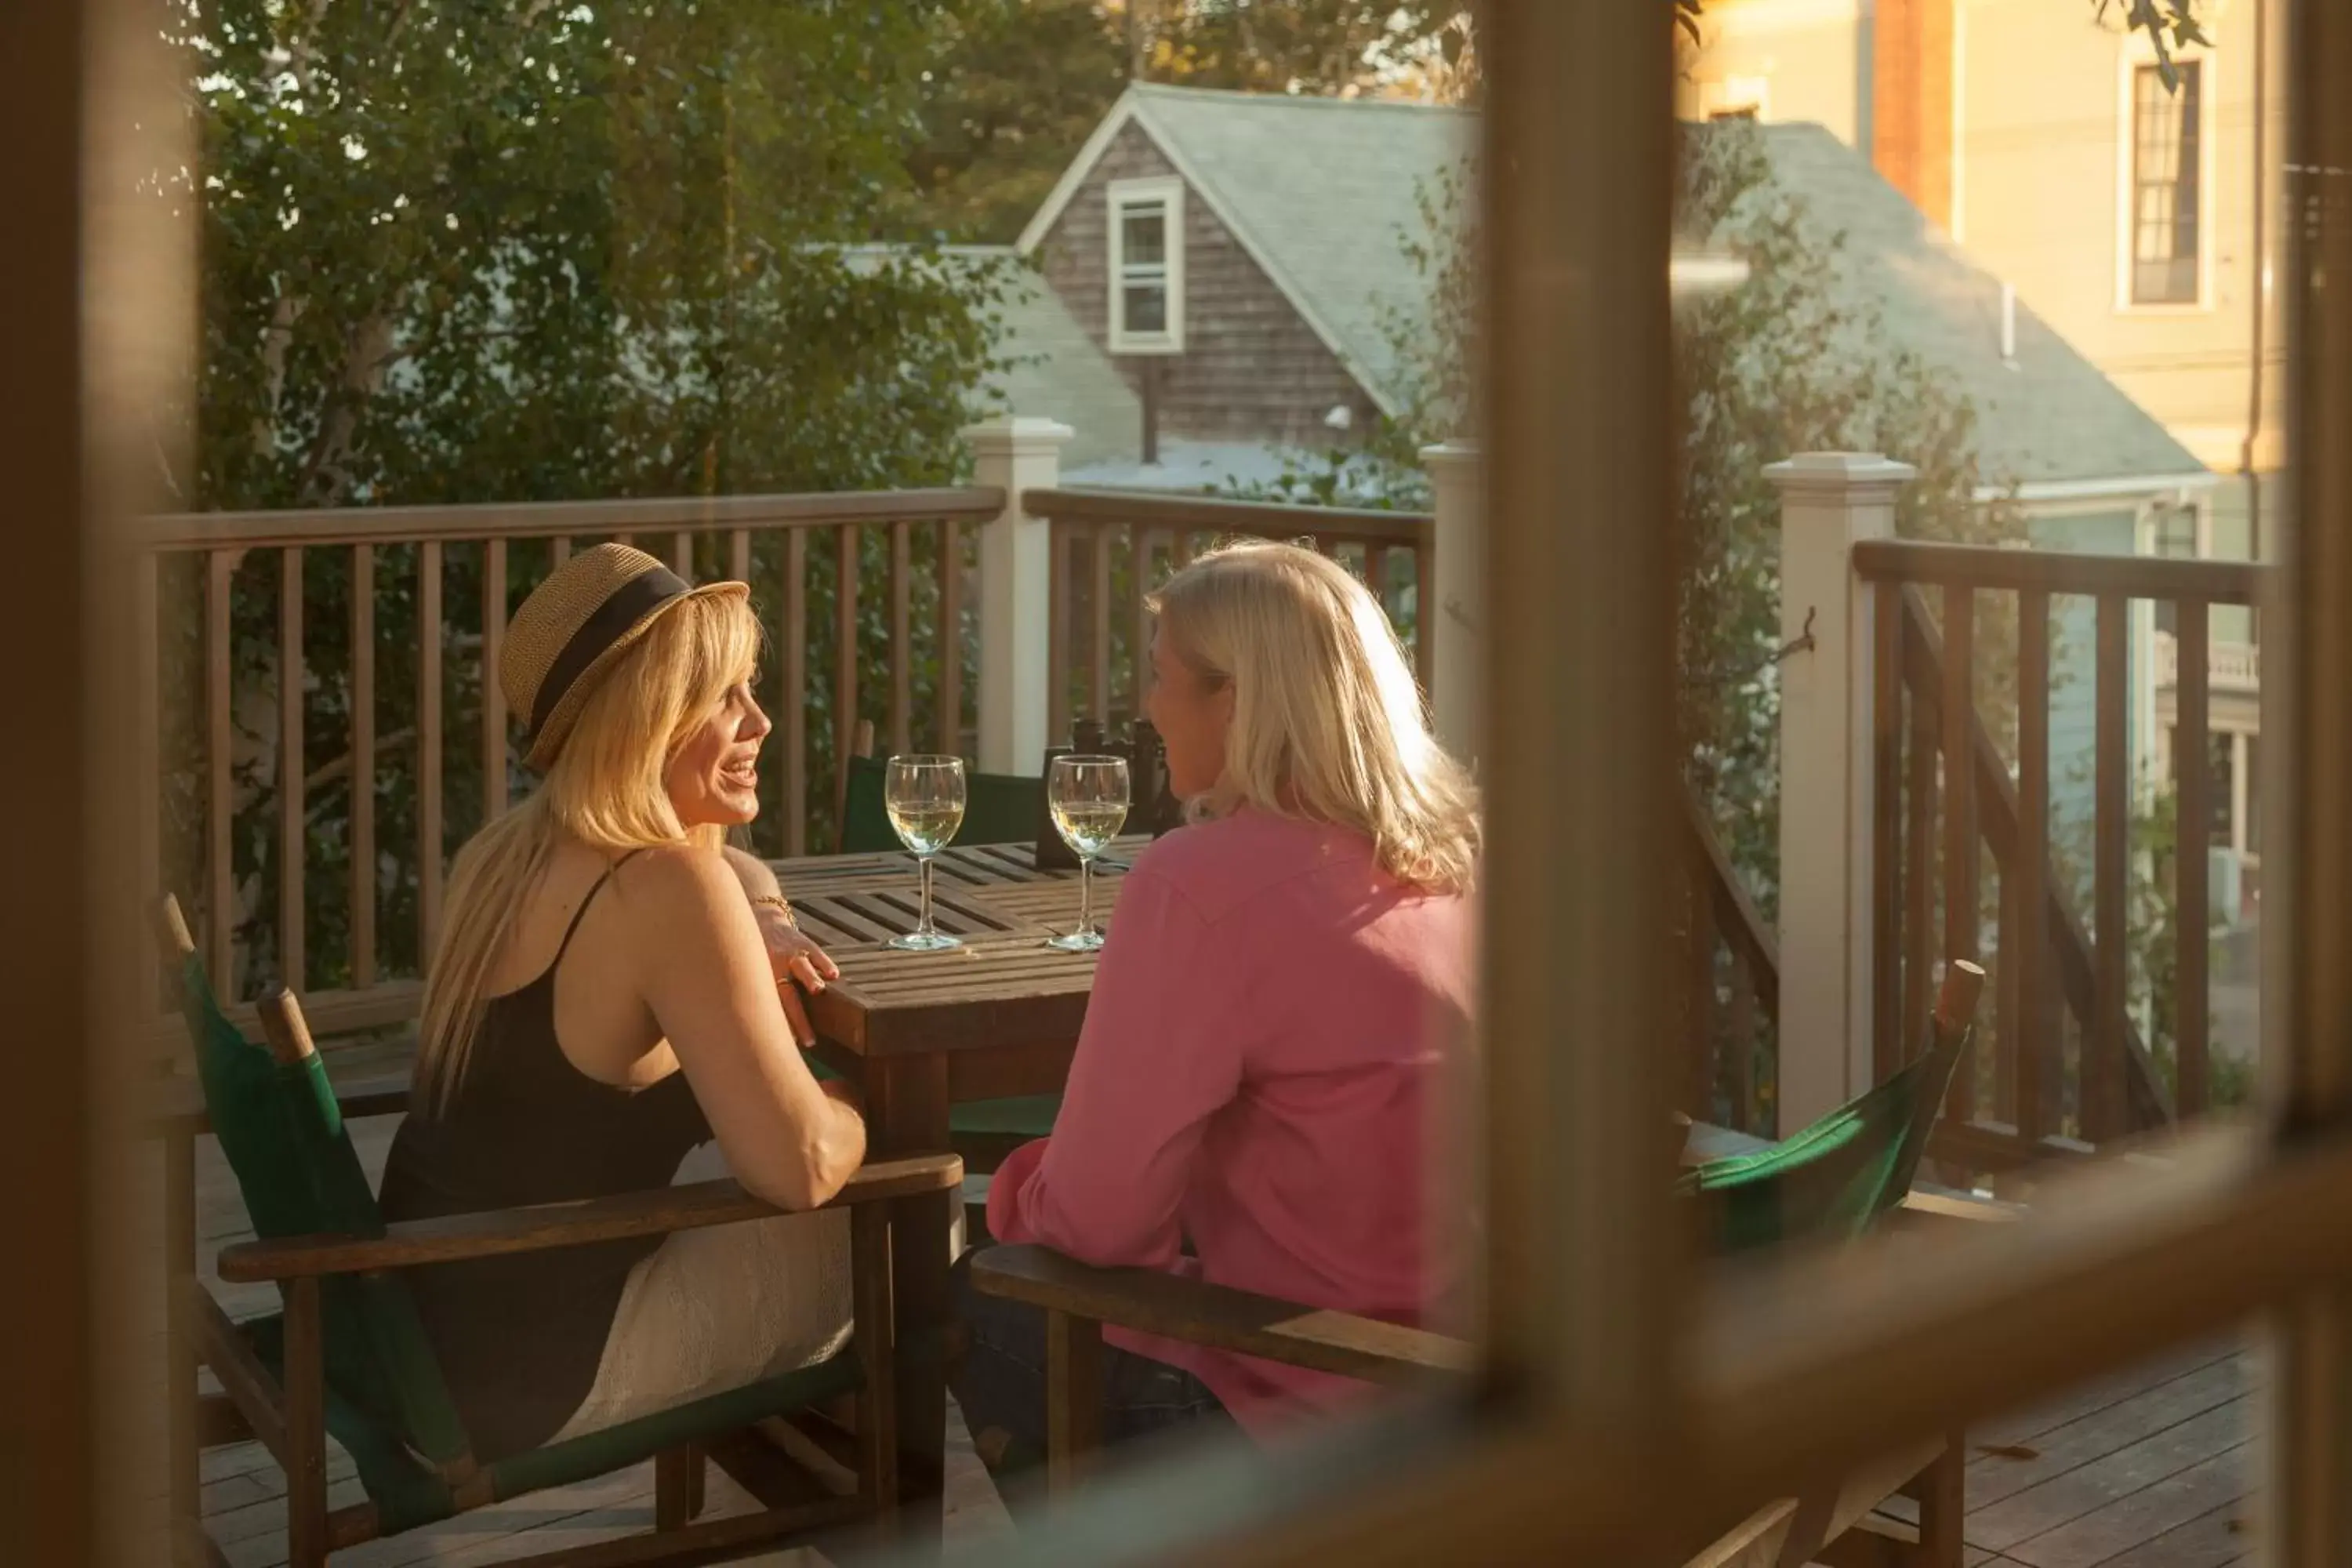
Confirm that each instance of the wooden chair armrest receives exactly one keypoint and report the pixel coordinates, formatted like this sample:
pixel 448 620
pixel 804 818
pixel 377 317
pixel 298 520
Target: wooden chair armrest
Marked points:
pixel 495 1233
pixel 1924 1205
pixel 1217 1317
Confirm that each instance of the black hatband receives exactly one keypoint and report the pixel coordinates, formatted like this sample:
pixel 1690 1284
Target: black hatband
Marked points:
pixel 630 604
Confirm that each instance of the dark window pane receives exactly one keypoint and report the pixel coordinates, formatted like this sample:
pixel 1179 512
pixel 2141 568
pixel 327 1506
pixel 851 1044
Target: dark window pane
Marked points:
pixel 1143 235
pixel 2253 795
pixel 1146 307
pixel 2224 750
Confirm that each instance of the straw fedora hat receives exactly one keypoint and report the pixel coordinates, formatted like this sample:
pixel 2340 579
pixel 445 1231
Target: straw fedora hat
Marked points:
pixel 575 627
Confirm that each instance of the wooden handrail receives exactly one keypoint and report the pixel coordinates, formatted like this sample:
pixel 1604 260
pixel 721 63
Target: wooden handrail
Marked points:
pixel 1737 919
pixel 1200 1313
pixel 1996 800
pixel 533 519
pixel 1208 514
pixel 2060 572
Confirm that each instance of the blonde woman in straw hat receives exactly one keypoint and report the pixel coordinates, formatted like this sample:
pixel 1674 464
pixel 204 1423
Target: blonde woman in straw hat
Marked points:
pixel 611 992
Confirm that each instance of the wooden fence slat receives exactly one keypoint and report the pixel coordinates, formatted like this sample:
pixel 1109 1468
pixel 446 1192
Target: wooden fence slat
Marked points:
pixel 1138 652
pixel 1703 1068
pixel 2037 1045
pixel 1098 688
pixel 1426 608
pixel 220 891
pixel 147 759
pixel 1886 830
pixel 363 868
pixel 738 556
pixel 1919 878
pixel 494 697
pixel 1376 574
pixel 1062 542
pixel 1741 1043
pixel 430 838
pixel 293 824
pixel 1961 908
pixel 844 666
pixel 793 698
pixel 559 551
pixel 902 643
pixel 2103 1065
pixel 950 692
pixel 2193 769
pixel 681 555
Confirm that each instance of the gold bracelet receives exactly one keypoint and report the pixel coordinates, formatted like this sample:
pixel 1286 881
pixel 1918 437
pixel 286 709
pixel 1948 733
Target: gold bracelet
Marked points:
pixel 778 901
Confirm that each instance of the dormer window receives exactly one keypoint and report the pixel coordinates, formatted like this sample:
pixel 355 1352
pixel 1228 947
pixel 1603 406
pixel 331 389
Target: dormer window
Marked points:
pixel 1147 267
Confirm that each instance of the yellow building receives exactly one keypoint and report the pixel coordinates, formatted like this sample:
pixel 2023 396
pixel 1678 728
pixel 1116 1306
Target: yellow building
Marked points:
pixel 2140 223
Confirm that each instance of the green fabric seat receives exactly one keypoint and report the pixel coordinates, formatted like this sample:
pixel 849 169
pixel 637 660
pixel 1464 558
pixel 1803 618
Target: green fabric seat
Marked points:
pixel 1836 1178
pixel 285 1141
pixel 999 808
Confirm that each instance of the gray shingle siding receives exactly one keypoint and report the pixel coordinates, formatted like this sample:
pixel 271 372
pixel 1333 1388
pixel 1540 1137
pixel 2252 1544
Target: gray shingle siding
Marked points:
pixel 1252 370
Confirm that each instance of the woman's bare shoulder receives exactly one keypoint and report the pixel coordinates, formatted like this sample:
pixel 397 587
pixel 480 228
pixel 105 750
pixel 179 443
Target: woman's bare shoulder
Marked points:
pixel 677 880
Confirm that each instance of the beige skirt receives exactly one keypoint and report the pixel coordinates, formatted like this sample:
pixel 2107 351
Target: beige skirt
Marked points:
pixel 714 1308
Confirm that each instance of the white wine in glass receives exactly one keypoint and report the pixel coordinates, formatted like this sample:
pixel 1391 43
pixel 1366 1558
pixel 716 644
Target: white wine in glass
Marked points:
pixel 924 796
pixel 1088 797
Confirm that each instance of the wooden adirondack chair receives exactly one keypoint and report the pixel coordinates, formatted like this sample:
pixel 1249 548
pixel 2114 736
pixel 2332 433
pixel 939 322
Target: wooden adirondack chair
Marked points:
pixel 1837 1179
pixel 348 1355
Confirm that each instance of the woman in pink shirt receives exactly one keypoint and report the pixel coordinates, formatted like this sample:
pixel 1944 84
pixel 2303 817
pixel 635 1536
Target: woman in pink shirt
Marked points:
pixel 1253 1097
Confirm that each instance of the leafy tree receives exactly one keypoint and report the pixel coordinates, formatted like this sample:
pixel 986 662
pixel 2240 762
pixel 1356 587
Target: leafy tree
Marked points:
pixel 465 250
pixel 1012 87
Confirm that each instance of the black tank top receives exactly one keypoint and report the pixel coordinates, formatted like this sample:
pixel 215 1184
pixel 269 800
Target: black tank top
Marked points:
pixel 518 1339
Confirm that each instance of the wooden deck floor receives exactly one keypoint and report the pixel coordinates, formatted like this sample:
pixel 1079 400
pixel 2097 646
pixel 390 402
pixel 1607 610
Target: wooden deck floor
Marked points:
pixel 2152 1470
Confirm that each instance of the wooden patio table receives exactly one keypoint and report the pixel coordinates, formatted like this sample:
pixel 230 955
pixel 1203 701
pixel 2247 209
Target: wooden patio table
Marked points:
pixel 919 1031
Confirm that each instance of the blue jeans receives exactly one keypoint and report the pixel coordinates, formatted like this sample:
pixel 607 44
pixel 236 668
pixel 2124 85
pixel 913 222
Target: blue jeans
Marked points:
pixel 999 1382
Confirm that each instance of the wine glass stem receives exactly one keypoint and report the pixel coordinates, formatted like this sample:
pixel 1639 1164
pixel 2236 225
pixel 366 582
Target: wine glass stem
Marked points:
pixel 1085 895
pixel 924 927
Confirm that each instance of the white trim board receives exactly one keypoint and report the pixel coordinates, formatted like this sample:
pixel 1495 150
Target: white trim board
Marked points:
pixel 1134 106
pixel 2122 487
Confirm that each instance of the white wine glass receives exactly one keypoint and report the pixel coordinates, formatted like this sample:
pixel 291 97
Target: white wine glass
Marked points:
pixel 1088 797
pixel 924 796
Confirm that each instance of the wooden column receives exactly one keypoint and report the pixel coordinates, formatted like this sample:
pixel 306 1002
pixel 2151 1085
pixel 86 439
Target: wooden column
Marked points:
pixel 1016 454
pixel 1830 501
pixel 1580 788
pixel 1452 609
pixel 2311 971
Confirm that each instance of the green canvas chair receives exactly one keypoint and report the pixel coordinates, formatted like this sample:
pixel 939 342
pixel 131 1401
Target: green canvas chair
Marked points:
pixel 1838 1177
pixel 999 808
pixel 1831 1182
pixel 348 1355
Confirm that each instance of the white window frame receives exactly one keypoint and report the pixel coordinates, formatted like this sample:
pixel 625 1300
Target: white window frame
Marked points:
pixel 1734 96
pixel 2134 55
pixel 1166 191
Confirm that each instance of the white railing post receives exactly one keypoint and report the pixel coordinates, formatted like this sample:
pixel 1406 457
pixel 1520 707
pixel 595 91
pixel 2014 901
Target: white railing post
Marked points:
pixel 1452 614
pixel 1830 501
pixel 1016 454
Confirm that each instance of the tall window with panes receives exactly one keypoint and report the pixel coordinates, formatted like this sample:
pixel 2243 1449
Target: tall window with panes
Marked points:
pixel 2167 195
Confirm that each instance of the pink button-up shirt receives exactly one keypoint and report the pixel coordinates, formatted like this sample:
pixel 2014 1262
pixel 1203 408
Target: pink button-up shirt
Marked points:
pixel 1259 1072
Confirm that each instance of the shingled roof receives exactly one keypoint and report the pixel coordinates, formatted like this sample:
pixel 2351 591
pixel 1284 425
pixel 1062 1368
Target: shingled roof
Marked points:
pixel 1324 195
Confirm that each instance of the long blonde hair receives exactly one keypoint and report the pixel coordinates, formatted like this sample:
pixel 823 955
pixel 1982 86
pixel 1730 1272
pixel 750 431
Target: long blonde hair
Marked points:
pixel 604 789
pixel 1327 723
